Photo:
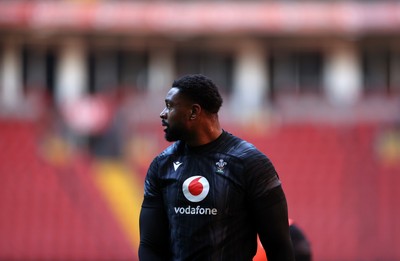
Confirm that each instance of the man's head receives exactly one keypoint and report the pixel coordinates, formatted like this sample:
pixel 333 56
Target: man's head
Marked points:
pixel 201 90
pixel 190 99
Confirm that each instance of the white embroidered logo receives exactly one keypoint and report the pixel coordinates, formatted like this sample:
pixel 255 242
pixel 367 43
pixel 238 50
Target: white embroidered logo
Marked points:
pixel 177 164
pixel 220 166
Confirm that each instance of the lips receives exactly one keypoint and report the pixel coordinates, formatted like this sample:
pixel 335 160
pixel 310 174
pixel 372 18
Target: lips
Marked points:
pixel 165 125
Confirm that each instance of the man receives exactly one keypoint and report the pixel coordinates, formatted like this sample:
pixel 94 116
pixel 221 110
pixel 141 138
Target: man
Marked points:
pixel 209 194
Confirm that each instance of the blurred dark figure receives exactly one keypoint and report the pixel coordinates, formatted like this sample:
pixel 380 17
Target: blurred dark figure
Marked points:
pixel 301 245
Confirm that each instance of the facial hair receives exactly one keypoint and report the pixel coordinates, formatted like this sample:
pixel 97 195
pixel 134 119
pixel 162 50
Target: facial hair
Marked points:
pixel 173 134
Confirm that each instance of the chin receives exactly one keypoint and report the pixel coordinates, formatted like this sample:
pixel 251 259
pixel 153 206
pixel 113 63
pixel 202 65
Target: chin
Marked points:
pixel 169 138
pixel 172 135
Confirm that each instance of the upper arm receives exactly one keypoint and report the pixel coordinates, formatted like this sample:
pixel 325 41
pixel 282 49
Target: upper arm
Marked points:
pixel 269 209
pixel 271 219
pixel 153 222
pixel 154 234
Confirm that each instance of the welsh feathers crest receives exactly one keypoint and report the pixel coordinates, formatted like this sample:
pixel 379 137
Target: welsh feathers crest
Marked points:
pixel 221 165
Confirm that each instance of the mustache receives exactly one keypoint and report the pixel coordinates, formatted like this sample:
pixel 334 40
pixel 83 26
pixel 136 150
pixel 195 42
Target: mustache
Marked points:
pixel 164 123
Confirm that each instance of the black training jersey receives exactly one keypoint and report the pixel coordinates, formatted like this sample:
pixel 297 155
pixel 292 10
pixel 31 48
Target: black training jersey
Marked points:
pixel 208 193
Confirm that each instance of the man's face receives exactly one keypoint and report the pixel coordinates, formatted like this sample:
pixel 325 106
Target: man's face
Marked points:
pixel 175 115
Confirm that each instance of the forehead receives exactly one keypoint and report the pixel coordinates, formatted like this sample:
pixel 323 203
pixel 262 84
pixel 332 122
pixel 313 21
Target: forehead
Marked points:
pixel 173 95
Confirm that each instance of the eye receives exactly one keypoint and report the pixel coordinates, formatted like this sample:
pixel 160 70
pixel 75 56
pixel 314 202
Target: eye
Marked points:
pixel 168 105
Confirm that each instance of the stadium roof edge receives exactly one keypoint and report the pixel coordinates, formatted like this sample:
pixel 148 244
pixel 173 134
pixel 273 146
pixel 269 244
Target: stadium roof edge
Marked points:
pixel 203 17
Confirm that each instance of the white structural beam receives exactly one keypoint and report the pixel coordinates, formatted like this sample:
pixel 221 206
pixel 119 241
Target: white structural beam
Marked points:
pixel 11 86
pixel 161 68
pixel 250 79
pixel 71 76
pixel 342 74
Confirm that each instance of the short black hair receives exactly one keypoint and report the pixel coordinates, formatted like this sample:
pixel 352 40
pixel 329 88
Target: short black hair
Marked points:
pixel 200 89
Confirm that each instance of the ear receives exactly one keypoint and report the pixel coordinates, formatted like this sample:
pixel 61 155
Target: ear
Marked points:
pixel 196 110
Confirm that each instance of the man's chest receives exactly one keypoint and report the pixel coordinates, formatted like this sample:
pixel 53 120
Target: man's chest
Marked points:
pixel 203 185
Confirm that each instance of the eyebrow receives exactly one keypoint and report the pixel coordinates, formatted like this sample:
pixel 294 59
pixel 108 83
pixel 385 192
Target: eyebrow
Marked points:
pixel 169 102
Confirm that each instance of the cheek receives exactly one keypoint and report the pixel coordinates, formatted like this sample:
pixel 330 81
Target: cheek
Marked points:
pixel 178 116
pixel 178 120
pixel 173 118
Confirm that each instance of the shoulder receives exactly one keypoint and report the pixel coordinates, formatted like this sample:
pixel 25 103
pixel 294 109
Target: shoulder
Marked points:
pixel 241 148
pixel 158 164
pixel 257 167
pixel 173 149
pixel 251 158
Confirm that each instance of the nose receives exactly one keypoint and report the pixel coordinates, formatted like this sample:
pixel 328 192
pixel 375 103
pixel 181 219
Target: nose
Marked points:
pixel 163 113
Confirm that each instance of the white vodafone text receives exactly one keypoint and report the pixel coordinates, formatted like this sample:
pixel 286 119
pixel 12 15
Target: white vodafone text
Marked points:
pixel 195 211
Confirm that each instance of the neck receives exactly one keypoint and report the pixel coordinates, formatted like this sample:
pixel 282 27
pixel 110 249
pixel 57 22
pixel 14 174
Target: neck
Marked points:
pixel 205 133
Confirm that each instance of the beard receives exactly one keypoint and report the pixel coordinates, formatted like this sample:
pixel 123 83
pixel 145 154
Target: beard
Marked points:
pixel 173 134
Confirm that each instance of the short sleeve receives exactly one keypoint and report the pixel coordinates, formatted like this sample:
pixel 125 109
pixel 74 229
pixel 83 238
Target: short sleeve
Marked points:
pixel 261 176
pixel 152 183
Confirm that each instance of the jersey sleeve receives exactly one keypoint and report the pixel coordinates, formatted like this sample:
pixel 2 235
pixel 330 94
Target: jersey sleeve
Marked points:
pixel 261 175
pixel 151 182
pixel 153 222
pixel 268 208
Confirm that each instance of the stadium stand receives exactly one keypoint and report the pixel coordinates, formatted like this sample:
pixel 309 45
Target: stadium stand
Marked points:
pixel 50 211
pixel 332 173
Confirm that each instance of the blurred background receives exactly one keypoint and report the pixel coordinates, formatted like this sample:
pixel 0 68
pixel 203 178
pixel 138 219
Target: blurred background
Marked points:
pixel 313 84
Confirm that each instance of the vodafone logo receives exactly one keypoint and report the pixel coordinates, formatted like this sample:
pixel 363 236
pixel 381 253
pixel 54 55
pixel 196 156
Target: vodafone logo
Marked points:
pixel 196 188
